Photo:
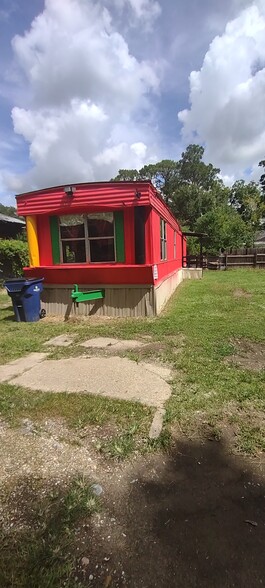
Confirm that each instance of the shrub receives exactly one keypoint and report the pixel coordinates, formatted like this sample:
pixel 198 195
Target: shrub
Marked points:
pixel 13 257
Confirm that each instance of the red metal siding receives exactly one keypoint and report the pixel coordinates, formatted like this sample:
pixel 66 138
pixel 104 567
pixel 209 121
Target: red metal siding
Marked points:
pixel 97 197
pixel 160 206
pixel 98 274
pixel 44 240
pixel 90 197
pixel 170 265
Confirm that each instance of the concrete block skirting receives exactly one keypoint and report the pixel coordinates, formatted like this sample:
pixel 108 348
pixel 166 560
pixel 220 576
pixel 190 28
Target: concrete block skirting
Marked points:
pixel 165 289
pixel 123 301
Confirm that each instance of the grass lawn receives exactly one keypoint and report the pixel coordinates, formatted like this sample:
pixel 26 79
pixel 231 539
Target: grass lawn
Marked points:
pixel 200 328
pixel 204 326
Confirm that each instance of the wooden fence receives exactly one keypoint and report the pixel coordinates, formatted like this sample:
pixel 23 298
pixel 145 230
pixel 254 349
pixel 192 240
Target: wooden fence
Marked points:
pixel 245 257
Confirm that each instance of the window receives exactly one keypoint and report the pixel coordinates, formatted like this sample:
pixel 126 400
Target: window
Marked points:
pixel 73 243
pixel 175 244
pixel 87 238
pixel 163 239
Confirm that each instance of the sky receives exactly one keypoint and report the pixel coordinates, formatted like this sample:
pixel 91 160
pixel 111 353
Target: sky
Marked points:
pixel 88 87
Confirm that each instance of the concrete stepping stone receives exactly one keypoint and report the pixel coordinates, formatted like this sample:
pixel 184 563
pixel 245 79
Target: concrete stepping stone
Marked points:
pixel 157 424
pixel 21 365
pixel 112 344
pixel 60 341
pixel 114 377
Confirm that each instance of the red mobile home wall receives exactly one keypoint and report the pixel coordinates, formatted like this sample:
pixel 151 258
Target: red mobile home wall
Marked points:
pixel 44 239
pixel 171 264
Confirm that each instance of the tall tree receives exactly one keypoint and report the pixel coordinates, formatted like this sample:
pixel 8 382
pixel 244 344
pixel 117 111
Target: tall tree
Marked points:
pixel 249 202
pixel 189 186
pixel 262 177
pixel 127 175
pixel 197 187
pixel 161 174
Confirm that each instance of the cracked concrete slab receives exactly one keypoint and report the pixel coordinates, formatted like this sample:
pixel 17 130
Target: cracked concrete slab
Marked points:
pixel 112 344
pixel 157 368
pixel 114 377
pixel 60 341
pixel 17 367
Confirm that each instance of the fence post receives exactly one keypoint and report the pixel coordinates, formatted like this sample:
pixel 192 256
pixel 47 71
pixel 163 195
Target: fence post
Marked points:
pixel 226 261
pixel 255 258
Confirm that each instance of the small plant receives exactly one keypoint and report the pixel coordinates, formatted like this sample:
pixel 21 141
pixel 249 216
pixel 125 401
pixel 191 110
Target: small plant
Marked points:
pixel 13 257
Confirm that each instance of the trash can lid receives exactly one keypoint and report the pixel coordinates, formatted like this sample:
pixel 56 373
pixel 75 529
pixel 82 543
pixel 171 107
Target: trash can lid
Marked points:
pixel 22 280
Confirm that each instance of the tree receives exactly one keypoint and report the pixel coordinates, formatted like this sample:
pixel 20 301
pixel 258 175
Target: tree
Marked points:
pixel 197 187
pixel 262 178
pixel 8 210
pixel 189 186
pixel 126 175
pixel 161 174
pixel 248 201
pixel 224 228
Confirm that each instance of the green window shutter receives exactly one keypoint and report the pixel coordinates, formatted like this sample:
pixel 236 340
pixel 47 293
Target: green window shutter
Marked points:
pixel 55 239
pixel 119 236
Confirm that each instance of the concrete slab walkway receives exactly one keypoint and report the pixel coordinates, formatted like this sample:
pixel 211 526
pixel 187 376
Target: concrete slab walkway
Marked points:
pixel 114 377
pixel 112 344
pixel 18 366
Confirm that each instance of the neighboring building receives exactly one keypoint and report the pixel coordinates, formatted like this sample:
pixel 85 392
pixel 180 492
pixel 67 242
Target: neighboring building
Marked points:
pixel 117 241
pixel 10 227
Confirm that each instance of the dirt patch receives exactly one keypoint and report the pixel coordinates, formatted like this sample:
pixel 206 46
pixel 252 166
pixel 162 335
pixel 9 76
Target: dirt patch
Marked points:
pixel 249 355
pixel 178 519
pixel 240 293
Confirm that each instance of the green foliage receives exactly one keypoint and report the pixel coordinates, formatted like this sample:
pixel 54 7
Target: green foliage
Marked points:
pixel 225 228
pixel 127 175
pixel 262 178
pixel 13 257
pixel 8 210
pixel 197 196
pixel 248 202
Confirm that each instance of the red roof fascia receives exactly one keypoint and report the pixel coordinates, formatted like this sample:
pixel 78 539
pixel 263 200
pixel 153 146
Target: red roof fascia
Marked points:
pixel 94 196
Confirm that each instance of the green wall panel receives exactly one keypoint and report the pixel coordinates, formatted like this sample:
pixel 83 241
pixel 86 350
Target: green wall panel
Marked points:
pixel 119 234
pixel 55 239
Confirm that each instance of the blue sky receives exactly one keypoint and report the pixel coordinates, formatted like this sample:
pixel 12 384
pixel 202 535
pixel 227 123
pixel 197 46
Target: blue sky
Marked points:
pixel 89 87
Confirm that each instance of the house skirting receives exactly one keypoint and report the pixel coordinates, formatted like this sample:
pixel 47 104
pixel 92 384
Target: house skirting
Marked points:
pixel 164 290
pixel 119 301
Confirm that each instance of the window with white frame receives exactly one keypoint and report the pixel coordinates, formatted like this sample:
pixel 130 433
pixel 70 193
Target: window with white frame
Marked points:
pixel 175 244
pixel 163 239
pixel 87 238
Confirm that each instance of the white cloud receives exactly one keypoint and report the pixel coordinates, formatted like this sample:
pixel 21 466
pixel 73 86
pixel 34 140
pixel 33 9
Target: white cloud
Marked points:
pixel 89 97
pixel 227 109
pixel 146 11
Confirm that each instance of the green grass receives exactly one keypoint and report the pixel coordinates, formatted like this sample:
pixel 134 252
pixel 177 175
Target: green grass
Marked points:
pixel 78 410
pixel 41 552
pixel 202 321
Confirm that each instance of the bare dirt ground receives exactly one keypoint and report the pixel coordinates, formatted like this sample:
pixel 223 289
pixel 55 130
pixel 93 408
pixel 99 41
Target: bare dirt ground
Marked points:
pixel 192 518
pixel 248 355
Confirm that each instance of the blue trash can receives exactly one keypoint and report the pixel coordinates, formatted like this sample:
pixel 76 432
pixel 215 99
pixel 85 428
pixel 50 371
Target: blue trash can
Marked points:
pixel 25 296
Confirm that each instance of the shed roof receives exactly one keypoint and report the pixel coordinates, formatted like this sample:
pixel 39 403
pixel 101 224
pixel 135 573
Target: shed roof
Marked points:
pixel 11 219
